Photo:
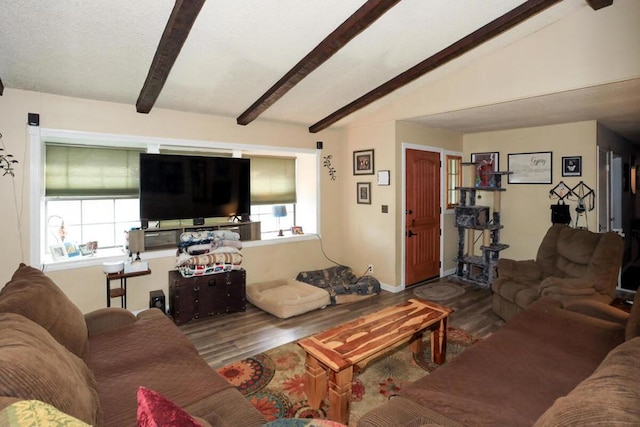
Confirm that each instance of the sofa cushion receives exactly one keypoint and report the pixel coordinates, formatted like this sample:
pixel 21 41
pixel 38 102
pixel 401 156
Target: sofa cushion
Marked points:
pixel 541 343
pixel 33 295
pixel 35 366
pixel 610 396
pixel 154 353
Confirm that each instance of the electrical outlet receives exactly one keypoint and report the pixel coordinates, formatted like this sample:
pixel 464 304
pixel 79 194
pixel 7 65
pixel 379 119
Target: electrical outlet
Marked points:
pixel 370 269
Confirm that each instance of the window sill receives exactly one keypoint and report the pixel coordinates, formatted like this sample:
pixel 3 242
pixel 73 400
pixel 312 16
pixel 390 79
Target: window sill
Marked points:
pixel 118 254
pixel 101 256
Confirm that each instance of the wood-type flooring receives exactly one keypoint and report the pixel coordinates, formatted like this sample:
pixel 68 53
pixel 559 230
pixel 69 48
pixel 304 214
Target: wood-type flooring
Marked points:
pixel 229 337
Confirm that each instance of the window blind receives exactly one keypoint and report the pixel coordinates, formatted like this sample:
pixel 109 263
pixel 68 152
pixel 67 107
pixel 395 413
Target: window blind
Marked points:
pixel 74 170
pixel 273 180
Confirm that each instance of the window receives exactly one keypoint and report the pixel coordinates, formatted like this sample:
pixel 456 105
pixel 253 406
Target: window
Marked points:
pixel 270 225
pixel 273 194
pixel 454 180
pixel 91 194
pixel 87 189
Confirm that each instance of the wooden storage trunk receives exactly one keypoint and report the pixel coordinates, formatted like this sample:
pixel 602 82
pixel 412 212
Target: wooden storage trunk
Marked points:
pixel 203 296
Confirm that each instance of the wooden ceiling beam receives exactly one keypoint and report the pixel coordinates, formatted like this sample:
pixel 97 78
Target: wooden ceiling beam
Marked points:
pixel 462 46
pixel 179 25
pixel 366 15
pixel 599 4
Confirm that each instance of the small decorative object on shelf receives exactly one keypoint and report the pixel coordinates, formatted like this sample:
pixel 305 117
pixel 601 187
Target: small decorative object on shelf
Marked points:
pixel 6 161
pixel 279 211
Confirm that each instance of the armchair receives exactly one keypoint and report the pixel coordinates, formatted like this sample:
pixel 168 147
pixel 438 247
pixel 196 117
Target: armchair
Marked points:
pixel 571 264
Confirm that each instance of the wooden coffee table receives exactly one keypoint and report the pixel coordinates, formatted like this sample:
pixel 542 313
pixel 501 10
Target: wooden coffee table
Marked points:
pixel 334 353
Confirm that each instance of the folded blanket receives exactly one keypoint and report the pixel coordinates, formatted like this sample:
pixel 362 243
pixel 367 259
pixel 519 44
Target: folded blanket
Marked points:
pixel 206 236
pixel 204 270
pixel 217 258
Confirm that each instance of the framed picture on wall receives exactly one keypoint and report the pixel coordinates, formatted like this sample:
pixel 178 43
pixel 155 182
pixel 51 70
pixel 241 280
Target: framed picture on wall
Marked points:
pixel 363 190
pixel 485 163
pixel 572 166
pixel 363 162
pixel 530 168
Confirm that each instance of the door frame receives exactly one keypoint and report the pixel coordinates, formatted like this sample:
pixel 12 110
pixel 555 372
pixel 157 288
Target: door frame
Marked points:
pixel 403 222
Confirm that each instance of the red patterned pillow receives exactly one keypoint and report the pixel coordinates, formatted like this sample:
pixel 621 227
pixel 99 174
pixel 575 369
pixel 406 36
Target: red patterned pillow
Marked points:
pixel 155 410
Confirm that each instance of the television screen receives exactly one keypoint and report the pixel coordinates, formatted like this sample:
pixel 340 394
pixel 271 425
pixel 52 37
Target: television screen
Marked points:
pixel 189 187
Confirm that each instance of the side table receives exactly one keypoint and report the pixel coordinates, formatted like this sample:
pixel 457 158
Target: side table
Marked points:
pixel 122 290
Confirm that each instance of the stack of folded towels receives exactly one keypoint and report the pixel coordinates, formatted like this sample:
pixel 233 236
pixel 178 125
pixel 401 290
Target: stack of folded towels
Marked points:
pixel 208 252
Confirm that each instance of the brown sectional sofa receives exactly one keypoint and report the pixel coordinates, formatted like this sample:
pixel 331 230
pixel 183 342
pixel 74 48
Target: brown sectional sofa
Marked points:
pixel 548 366
pixel 90 366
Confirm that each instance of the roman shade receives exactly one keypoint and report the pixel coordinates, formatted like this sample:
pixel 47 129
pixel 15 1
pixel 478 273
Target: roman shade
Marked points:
pixel 273 180
pixel 91 171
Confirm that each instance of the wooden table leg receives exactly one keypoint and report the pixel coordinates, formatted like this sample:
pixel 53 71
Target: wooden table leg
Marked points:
pixel 316 384
pixel 340 394
pixel 439 342
pixel 415 345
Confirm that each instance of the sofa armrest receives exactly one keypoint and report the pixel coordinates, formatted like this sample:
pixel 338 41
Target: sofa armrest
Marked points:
pixel 512 269
pixel 108 319
pixel 150 313
pixel 598 310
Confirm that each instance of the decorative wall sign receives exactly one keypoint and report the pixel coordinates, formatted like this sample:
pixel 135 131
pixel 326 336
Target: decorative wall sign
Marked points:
pixel 363 191
pixel 530 168
pixel 363 162
pixel 486 162
pixel 572 166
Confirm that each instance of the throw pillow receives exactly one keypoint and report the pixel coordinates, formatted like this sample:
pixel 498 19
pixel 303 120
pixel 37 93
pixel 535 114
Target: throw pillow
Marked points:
pixel 34 413
pixel 155 410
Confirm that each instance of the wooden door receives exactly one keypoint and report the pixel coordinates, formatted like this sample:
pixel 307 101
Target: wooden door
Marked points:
pixel 422 210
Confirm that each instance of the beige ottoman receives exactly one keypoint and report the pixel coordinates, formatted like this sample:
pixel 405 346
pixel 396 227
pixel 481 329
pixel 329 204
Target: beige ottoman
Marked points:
pixel 287 297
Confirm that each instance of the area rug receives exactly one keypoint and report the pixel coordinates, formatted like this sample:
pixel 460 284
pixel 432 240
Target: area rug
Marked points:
pixel 273 381
pixel 438 291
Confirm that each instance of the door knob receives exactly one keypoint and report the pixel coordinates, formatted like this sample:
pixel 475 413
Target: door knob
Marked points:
pixel 410 233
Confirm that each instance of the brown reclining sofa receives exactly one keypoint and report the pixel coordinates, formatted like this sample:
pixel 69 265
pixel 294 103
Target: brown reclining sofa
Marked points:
pixel 91 366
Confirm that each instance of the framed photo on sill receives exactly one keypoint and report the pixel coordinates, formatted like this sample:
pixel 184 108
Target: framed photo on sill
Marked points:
pixel 71 249
pixel 363 190
pixel 58 252
pixel 363 162
pixel 572 166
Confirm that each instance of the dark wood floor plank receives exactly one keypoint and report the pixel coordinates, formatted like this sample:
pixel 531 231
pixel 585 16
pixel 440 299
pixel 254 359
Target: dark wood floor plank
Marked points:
pixel 229 337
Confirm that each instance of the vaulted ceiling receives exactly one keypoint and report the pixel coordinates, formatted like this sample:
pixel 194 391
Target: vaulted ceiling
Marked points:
pixel 315 63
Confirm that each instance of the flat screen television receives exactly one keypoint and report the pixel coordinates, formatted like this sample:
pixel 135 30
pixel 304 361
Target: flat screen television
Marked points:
pixel 192 187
